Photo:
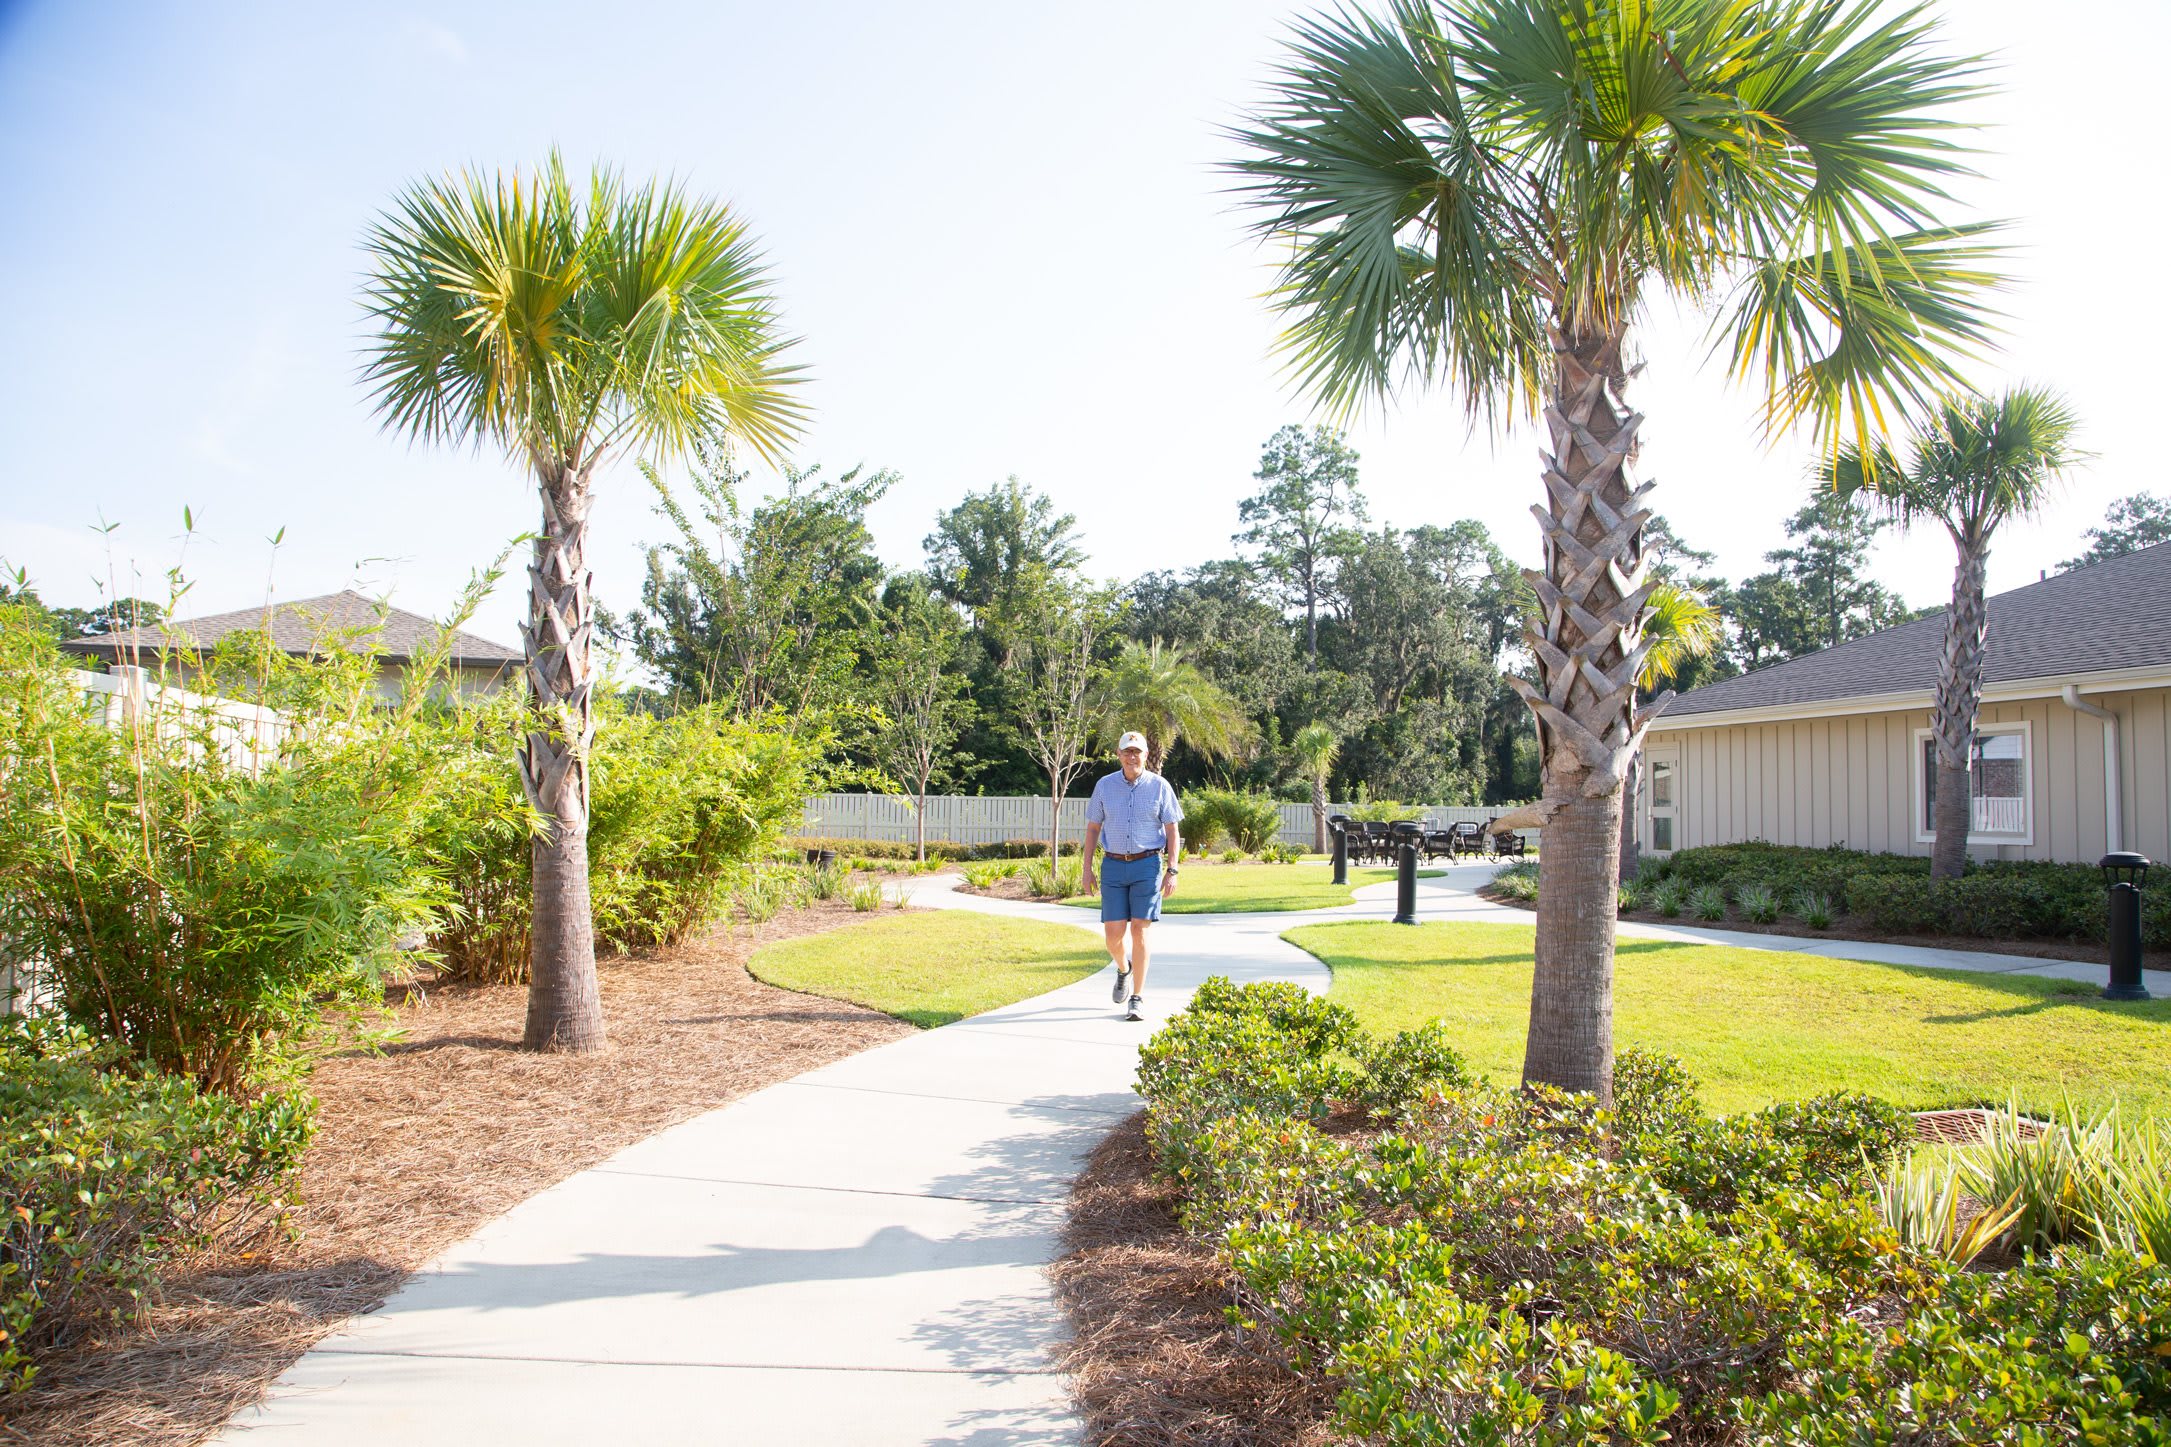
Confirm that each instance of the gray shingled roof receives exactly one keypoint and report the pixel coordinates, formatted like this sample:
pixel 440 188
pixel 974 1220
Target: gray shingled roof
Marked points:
pixel 2109 615
pixel 297 626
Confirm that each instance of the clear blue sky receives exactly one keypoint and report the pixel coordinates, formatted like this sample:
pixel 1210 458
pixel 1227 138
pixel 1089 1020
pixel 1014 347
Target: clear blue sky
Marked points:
pixel 998 227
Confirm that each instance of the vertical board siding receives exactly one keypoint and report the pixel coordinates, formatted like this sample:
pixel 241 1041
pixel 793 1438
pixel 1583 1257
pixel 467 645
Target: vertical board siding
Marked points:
pixel 1851 779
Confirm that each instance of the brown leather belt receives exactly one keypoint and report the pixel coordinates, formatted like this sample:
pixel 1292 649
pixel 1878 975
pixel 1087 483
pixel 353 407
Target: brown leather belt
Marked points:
pixel 1127 858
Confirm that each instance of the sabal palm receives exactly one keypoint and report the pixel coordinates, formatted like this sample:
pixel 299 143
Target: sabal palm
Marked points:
pixel 1976 463
pixel 565 326
pixel 1154 688
pixel 1316 748
pixel 1488 193
pixel 1678 625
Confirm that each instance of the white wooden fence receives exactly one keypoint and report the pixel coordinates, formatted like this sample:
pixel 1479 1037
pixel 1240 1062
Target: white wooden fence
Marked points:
pixel 990 819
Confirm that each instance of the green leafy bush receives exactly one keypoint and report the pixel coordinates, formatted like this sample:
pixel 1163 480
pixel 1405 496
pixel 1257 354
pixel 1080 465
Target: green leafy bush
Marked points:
pixel 1628 898
pixel 1668 897
pixel 1522 1267
pixel 108 1176
pixel 864 895
pixel 1249 822
pixel 1813 909
pixel 199 900
pixel 1044 880
pixel 1282 854
pixel 1708 902
pixel 1518 881
pixel 985 873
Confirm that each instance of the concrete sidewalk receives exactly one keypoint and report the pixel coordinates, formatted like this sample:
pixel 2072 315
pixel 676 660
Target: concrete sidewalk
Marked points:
pixel 855 1256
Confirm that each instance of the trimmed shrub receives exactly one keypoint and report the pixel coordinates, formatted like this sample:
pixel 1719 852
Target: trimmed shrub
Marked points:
pixel 884 849
pixel 108 1177
pixel 1249 822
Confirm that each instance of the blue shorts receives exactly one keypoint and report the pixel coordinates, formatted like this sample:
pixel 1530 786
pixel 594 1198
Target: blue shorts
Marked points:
pixel 1131 889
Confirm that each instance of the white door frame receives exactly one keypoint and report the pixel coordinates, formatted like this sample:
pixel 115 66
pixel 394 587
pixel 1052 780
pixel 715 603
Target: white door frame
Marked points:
pixel 1670 756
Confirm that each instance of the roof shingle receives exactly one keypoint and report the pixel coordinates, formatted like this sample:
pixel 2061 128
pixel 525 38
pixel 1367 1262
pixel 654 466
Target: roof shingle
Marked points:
pixel 2110 615
pixel 298 627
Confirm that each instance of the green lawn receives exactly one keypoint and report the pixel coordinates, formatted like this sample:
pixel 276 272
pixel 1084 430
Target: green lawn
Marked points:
pixel 934 967
pixel 1205 888
pixel 1758 1025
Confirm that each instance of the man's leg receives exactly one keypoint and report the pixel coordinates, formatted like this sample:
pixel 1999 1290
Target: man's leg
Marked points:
pixel 1112 932
pixel 1138 955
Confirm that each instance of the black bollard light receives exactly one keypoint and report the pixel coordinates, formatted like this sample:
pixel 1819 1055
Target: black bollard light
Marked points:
pixel 1341 854
pixel 2123 873
pixel 1406 885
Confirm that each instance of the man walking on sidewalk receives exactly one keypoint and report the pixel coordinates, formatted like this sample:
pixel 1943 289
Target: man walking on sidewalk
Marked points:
pixel 1135 813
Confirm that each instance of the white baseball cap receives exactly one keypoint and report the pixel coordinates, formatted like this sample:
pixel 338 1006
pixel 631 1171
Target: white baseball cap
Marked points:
pixel 1133 740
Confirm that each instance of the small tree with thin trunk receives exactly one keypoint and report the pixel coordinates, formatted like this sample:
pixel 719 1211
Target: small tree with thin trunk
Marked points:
pixel 566 325
pixel 1316 748
pixel 1976 463
pixel 1155 688
pixel 1057 671
pixel 1303 516
pixel 921 698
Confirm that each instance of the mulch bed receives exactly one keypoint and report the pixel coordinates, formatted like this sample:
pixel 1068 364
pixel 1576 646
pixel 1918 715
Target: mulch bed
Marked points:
pixel 1153 1357
pixel 419 1146
pixel 1012 887
pixel 1843 929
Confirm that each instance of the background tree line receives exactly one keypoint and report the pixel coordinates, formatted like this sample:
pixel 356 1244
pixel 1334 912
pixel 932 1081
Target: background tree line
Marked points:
pixel 1394 638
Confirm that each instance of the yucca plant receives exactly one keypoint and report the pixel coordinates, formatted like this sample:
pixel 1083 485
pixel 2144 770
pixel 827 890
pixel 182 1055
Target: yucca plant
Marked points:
pixel 2127 1192
pixel 1813 909
pixel 1042 879
pixel 2038 1169
pixel 864 895
pixel 1668 897
pixel 1489 194
pixel 1630 898
pixel 1707 902
pixel 825 882
pixel 1757 903
pixel 1926 1205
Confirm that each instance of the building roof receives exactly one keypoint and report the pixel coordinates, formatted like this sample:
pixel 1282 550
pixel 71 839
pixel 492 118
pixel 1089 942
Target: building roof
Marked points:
pixel 298 628
pixel 2102 618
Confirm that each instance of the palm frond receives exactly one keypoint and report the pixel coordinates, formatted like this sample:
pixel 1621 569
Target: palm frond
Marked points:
pixel 1972 464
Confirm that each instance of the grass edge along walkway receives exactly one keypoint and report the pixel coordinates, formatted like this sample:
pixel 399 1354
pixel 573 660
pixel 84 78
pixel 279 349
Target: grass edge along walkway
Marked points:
pixel 1207 888
pixel 932 967
pixel 1755 1026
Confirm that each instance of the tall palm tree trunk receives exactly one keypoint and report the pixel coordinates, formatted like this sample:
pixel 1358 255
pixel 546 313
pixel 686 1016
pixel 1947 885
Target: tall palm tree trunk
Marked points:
pixel 564 1010
pixel 1319 813
pixel 1959 692
pixel 1588 644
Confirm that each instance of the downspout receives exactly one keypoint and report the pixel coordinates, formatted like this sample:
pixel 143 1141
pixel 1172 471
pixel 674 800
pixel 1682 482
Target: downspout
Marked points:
pixel 2113 825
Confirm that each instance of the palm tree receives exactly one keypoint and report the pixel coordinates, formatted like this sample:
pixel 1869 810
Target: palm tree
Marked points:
pixel 1153 687
pixel 1316 748
pixel 1488 193
pixel 1976 463
pixel 565 328
pixel 1680 625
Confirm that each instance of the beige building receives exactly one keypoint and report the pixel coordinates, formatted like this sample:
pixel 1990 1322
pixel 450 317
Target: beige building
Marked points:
pixel 2073 741
pixel 304 627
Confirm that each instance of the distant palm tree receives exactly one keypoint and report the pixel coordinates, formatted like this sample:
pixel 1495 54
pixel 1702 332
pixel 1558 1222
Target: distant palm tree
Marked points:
pixel 1972 466
pixel 566 326
pixel 1488 194
pixel 1152 687
pixel 1316 748
pixel 1681 625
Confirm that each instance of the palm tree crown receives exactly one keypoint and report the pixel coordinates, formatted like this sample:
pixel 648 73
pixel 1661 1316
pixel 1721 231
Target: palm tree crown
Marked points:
pixel 1153 687
pixel 515 309
pixel 1461 187
pixel 1975 463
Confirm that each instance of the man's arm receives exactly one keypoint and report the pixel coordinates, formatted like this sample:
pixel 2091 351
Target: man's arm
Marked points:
pixel 1085 856
pixel 1174 838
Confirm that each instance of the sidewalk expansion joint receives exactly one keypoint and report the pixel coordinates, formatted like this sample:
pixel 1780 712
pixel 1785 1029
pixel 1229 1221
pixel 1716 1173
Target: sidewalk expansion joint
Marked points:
pixel 832 1190
pixel 339 1351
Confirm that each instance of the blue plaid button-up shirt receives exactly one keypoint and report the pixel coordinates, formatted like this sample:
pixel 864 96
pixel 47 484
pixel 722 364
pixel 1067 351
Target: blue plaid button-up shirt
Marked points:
pixel 1132 816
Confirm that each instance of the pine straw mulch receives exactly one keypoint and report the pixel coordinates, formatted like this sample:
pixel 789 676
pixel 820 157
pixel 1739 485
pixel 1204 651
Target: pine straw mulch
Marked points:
pixel 419 1146
pixel 1153 1358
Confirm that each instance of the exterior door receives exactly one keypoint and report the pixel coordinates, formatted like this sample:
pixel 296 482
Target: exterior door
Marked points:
pixel 1662 790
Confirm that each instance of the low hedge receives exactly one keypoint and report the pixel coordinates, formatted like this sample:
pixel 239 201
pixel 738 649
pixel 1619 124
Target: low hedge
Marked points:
pixel 108 1176
pixel 1894 894
pixel 1509 1266
pixel 881 848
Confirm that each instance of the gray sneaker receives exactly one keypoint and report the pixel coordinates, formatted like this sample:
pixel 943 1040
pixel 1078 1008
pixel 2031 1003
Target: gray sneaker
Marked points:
pixel 1137 1010
pixel 1123 984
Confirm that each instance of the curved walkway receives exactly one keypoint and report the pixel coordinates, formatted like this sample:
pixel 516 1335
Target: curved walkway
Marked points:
pixel 854 1256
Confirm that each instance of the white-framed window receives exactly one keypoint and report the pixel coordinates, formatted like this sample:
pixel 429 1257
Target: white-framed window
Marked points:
pixel 2000 769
